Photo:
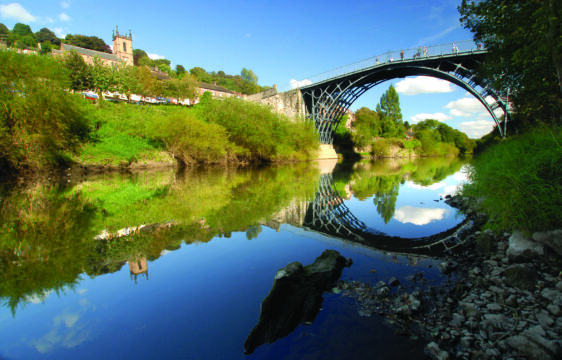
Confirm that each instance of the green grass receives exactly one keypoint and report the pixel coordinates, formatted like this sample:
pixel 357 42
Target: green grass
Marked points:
pixel 519 182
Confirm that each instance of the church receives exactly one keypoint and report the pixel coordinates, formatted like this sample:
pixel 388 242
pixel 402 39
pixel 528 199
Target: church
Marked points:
pixel 122 51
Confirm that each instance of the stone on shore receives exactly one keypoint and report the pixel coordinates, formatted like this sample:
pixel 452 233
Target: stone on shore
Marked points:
pixel 521 248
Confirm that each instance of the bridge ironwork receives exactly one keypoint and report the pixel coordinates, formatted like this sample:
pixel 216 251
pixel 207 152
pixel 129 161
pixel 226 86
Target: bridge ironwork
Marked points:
pixel 328 96
pixel 329 215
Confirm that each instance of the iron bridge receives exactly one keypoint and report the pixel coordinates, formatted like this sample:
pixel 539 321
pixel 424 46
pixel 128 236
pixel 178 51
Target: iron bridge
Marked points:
pixel 328 96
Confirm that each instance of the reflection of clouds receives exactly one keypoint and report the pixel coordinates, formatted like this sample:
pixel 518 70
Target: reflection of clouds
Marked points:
pixel 38 298
pixel 418 216
pixel 450 190
pixel 435 186
pixel 66 332
pixel 68 329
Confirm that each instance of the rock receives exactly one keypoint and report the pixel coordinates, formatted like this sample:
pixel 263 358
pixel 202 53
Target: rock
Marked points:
pixel 294 298
pixel 445 267
pixel 552 239
pixel 521 248
pixel 393 281
pixel 458 321
pixel 465 342
pixel 493 321
pixel 554 296
pixel 554 310
pixel 433 351
pixel 533 344
pixel 521 276
pixel 494 307
pixel 545 320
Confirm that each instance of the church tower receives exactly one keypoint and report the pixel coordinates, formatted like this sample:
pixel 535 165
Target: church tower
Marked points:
pixel 123 46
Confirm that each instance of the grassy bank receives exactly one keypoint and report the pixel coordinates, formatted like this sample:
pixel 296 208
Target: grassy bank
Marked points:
pixel 519 182
pixel 42 125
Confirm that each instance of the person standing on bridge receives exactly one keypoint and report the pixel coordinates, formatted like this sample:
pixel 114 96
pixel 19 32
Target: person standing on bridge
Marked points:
pixel 425 51
pixel 401 54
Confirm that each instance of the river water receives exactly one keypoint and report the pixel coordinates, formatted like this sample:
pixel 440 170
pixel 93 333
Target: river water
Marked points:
pixel 165 265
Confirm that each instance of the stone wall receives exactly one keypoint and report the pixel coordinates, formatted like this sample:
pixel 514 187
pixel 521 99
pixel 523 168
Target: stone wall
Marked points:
pixel 288 103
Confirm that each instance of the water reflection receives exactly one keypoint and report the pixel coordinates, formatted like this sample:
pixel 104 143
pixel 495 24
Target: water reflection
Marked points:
pixel 55 238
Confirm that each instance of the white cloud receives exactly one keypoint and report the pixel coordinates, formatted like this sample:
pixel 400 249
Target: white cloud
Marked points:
pixel 423 116
pixel 476 129
pixel 65 4
pixel 464 107
pixel 59 32
pixel 64 17
pixel 155 56
pixel 17 12
pixel 418 216
pixel 423 85
pixel 299 83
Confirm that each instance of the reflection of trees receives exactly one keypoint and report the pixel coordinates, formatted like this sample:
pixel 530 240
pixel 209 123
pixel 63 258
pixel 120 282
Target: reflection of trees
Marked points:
pixel 382 178
pixel 47 235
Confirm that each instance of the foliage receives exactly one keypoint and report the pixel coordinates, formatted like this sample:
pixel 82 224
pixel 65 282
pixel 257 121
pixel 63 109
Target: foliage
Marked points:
pixel 264 134
pixel 39 119
pixel 367 126
pixel 246 83
pixel 437 138
pixel 45 35
pixel 523 39
pixel 137 55
pixel 181 88
pixel 519 181
pixel 390 113
pixel 78 70
pixel 87 42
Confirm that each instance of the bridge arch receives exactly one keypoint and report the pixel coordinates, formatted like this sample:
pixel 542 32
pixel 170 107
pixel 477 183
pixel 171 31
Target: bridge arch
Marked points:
pixel 326 101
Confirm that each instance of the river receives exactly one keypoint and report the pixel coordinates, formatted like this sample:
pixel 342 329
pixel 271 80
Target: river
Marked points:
pixel 166 265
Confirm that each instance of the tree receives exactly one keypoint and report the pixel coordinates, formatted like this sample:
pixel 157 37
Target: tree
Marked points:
pixel 524 52
pixel 180 70
pixel 126 81
pixel 389 109
pixel 88 42
pixel 102 77
pixel 46 35
pixel 367 126
pixel 137 55
pixel 78 70
pixel 184 88
pixel 4 31
pixel 20 30
pixel 249 76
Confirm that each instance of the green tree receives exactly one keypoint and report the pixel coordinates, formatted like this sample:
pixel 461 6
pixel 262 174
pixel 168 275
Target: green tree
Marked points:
pixel 88 42
pixel 127 81
pixel 137 55
pixel 20 30
pixel 249 76
pixel 184 88
pixel 78 70
pixel 180 70
pixel 102 77
pixel 46 35
pixel 366 127
pixel 391 114
pixel 523 39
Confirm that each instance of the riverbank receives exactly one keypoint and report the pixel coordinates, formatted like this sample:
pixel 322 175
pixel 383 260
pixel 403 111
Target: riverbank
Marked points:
pixel 502 300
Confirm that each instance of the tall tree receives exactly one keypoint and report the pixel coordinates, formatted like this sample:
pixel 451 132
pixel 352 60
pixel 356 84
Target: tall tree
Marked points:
pixel 524 40
pixel 249 76
pixel 137 55
pixel 184 88
pixel 78 70
pixel 88 42
pixel 391 114
pixel 45 35
pixel 21 30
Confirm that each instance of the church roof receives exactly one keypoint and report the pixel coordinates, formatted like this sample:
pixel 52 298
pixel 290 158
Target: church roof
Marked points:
pixel 91 53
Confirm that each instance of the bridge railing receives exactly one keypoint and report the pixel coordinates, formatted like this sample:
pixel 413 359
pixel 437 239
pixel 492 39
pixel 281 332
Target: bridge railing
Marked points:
pixel 457 47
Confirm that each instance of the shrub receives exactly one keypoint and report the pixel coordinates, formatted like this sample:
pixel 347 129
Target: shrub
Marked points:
pixel 520 181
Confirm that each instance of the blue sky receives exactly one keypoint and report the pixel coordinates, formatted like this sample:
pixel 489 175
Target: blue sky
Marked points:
pixel 279 40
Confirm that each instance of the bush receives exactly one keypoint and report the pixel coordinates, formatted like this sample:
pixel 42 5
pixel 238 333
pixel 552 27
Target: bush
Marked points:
pixel 39 120
pixel 520 181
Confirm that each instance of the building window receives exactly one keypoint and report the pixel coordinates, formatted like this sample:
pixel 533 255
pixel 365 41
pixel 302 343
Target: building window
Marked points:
pixel 124 47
